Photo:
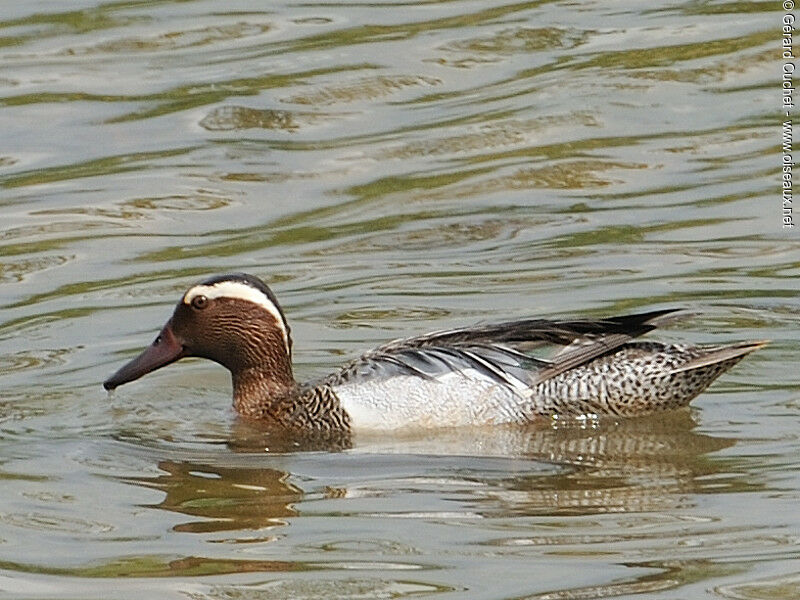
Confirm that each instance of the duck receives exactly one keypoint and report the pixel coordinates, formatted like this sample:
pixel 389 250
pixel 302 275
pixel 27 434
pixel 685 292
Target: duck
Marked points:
pixel 513 372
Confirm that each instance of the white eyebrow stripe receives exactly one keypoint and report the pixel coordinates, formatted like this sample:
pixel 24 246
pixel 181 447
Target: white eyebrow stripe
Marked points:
pixel 240 291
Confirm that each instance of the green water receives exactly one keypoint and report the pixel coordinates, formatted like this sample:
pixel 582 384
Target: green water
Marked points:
pixel 390 168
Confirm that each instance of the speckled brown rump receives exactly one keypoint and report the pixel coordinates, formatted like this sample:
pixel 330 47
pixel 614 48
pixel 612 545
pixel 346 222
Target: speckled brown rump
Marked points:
pixel 639 378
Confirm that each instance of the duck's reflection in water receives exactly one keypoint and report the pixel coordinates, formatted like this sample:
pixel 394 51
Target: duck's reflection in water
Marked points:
pixel 632 465
pixel 227 498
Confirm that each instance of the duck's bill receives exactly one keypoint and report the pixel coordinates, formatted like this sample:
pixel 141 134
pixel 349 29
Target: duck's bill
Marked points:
pixel 166 349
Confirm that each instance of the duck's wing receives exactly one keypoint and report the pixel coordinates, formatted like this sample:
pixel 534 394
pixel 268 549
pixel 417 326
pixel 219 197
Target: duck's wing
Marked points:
pixel 503 352
pixel 500 363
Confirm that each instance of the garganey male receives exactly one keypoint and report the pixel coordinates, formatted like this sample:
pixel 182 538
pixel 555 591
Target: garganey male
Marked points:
pixel 482 375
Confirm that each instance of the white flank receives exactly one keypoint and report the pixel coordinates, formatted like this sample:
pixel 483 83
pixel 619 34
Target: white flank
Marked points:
pixel 240 291
pixel 455 399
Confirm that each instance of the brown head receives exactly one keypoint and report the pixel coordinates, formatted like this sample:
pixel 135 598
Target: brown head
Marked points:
pixel 234 320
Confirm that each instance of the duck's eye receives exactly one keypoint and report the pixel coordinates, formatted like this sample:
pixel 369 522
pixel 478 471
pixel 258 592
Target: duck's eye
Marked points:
pixel 199 302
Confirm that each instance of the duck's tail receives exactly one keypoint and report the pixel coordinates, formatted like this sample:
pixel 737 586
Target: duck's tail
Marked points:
pixel 717 356
pixel 638 379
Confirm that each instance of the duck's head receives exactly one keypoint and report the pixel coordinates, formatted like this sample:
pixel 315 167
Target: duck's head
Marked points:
pixel 234 320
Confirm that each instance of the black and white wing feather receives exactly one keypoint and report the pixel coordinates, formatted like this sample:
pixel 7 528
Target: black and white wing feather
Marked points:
pixel 503 352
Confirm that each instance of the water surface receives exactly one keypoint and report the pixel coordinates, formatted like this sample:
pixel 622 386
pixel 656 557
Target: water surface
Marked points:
pixel 390 168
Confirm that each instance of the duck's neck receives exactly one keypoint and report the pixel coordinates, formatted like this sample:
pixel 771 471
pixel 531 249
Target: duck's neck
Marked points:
pixel 261 374
pixel 260 394
pixel 286 404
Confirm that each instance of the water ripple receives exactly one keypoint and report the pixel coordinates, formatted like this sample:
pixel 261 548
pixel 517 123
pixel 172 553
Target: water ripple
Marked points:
pixel 389 169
